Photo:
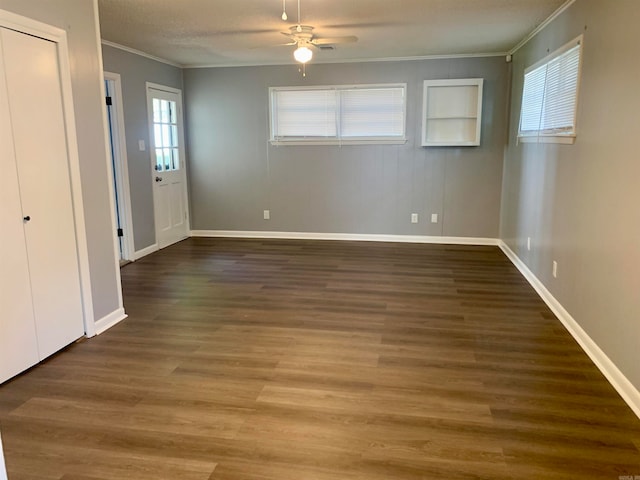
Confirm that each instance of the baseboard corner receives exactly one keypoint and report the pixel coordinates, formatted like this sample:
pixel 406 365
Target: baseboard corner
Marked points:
pixel 145 251
pixel 108 321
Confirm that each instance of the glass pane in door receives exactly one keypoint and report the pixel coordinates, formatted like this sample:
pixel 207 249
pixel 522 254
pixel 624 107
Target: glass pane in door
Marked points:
pixel 165 132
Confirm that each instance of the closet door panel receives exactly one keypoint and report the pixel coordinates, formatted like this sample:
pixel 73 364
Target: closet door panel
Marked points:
pixel 18 346
pixel 37 117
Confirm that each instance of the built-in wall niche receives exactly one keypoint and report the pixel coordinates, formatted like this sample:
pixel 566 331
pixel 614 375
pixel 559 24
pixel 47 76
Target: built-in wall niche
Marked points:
pixel 452 112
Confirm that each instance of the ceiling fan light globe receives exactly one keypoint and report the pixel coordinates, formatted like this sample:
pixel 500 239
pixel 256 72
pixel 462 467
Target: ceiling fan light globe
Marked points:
pixel 302 54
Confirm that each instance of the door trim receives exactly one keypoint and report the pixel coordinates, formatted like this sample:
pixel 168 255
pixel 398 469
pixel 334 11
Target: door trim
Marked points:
pixel 122 167
pixel 155 86
pixel 59 37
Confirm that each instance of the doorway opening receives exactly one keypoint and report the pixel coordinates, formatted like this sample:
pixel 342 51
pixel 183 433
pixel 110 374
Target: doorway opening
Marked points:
pixel 118 152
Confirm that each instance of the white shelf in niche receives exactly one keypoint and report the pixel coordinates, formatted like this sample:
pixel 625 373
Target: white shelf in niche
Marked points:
pixel 452 112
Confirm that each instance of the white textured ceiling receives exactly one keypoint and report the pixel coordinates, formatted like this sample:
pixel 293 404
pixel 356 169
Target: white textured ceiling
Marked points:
pixel 243 32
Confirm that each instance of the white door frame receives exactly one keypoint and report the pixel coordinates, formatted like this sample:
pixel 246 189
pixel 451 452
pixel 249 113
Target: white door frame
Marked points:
pixel 59 37
pixel 152 153
pixel 121 174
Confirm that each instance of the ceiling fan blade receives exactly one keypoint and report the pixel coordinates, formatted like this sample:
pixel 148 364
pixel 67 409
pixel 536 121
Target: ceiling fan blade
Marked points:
pixel 334 40
pixel 223 33
pixel 276 45
pixel 361 25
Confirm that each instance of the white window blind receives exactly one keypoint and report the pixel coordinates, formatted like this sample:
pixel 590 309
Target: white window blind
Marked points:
pixel 550 94
pixel 304 113
pixel 337 114
pixel 532 100
pixel 372 112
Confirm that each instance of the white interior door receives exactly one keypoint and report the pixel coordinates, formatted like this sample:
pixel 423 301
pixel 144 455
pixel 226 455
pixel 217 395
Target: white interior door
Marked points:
pixel 168 165
pixel 42 158
pixel 18 348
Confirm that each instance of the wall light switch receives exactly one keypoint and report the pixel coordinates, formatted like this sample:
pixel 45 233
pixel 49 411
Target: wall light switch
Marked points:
pixel 266 214
pixel 141 145
pixel 434 218
pixel 555 269
pixel 414 218
pixel 528 243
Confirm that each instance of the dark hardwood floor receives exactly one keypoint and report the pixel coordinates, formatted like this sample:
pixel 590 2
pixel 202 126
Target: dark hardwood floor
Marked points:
pixel 305 360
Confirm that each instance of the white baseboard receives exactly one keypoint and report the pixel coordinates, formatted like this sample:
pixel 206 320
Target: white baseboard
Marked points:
pixel 108 321
pixel 623 386
pixel 145 251
pixel 346 236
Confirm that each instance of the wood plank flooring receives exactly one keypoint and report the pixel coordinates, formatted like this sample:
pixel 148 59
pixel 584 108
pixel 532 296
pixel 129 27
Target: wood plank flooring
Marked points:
pixel 306 360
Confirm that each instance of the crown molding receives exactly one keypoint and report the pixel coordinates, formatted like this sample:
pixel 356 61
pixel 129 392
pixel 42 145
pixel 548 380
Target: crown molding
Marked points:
pixel 356 60
pixel 141 53
pixel 542 26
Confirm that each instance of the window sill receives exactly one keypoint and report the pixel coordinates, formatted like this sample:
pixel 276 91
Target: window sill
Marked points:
pixel 564 139
pixel 399 141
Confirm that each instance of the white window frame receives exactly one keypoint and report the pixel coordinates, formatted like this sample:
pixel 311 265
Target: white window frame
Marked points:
pixel 458 109
pixel 338 140
pixel 540 136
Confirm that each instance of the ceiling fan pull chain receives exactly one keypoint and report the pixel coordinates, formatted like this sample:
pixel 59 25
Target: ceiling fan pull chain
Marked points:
pixel 284 10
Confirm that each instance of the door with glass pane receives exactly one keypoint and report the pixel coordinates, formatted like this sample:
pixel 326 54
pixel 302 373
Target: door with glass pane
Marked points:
pixel 168 165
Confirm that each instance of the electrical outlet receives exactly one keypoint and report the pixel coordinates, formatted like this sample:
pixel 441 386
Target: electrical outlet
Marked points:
pixel 528 243
pixel 414 218
pixel 266 214
pixel 555 269
pixel 434 218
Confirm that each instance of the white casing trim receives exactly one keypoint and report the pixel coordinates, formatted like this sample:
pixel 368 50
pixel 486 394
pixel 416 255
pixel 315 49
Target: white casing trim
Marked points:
pixel 145 251
pixel 362 237
pixel 107 151
pixel 108 321
pixel 121 176
pixel 616 378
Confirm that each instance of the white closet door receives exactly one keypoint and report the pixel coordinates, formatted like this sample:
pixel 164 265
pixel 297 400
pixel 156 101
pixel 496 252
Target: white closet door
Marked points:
pixel 18 347
pixel 37 117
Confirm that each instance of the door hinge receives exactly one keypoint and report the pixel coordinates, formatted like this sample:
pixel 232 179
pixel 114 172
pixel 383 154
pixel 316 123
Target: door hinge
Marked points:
pixel 120 233
pixel 109 103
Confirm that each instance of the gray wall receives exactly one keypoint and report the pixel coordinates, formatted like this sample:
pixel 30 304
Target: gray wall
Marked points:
pixel 235 174
pixel 580 204
pixel 77 18
pixel 135 71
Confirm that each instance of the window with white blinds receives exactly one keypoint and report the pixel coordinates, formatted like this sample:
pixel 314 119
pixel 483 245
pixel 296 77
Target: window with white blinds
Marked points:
pixel 338 114
pixel 550 95
pixel 304 113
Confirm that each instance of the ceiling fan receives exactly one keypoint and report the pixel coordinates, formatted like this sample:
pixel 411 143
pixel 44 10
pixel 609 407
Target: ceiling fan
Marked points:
pixel 304 39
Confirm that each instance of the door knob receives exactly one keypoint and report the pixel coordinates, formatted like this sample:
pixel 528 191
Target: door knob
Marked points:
pixel 158 179
pixel 27 218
